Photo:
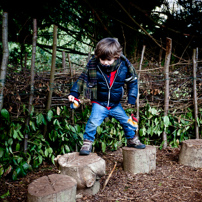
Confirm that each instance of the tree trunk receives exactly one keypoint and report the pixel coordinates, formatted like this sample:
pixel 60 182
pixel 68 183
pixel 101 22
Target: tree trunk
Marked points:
pixel 166 73
pixel 195 93
pixel 34 41
pixel 5 56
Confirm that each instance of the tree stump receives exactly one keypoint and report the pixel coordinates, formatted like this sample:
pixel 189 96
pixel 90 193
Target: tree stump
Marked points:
pixel 191 153
pixel 139 160
pixel 86 170
pixel 52 188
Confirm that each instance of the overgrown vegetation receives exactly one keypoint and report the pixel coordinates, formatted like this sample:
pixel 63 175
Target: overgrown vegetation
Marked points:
pixel 63 137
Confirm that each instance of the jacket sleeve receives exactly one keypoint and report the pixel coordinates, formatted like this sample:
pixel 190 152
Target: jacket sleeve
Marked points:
pixel 74 90
pixel 132 87
pixel 77 88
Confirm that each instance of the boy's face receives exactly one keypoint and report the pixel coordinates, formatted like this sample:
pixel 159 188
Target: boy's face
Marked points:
pixel 107 62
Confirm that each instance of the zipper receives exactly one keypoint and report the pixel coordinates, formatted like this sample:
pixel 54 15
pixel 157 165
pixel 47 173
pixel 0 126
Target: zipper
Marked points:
pixel 109 87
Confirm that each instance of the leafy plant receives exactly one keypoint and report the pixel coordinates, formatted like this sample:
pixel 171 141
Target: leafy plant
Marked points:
pixel 12 161
pixel 63 137
pixel 109 135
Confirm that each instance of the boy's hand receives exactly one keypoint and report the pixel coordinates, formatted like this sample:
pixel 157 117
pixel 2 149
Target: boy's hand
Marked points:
pixel 71 98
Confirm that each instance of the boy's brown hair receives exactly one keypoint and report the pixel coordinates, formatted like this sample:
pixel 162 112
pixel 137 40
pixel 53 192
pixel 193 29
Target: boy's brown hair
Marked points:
pixel 107 49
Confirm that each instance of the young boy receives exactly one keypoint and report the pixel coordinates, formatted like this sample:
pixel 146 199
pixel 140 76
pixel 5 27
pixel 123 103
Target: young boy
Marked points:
pixel 102 81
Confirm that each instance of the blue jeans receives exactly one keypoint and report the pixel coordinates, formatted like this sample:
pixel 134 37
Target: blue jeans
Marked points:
pixel 99 113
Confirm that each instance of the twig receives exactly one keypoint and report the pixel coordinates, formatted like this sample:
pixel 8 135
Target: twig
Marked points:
pixel 109 176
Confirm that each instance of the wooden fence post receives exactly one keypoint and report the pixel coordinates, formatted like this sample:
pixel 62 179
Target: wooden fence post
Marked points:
pixel 166 73
pixel 138 95
pixel 64 62
pixel 31 97
pixel 5 56
pixel 160 53
pixel 72 81
pixel 51 85
pixel 52 73
pixel 195 99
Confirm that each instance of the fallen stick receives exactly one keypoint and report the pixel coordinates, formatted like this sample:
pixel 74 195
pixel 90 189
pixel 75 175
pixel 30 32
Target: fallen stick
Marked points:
pixel 109 176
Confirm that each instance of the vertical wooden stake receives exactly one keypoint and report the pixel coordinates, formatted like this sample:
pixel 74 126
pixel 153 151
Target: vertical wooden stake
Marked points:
pixel 52 74
pixel 5 56
pixel 71 75
pixel 160 54
pixel 138 96
pixel 64 62
pixel 70 68
pixel 166 73
pixel 31 97
pixel 195 99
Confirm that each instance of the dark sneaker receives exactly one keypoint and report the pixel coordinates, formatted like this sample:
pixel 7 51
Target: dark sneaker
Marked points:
pixel 86 148
pixel 135 142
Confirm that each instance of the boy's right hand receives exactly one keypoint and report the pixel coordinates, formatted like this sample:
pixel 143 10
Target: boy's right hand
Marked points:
pixel 71 98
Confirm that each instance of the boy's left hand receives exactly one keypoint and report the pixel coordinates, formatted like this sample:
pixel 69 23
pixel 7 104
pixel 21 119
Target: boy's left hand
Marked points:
pixel 71 98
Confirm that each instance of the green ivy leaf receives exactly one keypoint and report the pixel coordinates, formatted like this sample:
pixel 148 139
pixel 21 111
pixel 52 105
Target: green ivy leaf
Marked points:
pixel 16 173
pixel 99 130
pixel 1 152
pixel 166 121
pixel 32 124
pixel 10 141
pixel 39 119
pixel 5 114
pixel 46 153
pixel 26 166
pixel 1 171
pixel 103 146
pixel 72 128
pixel 67 148
pixel 5 195
pixel 40 159
pixel 49 115
pixel 153 111
pixel 142 131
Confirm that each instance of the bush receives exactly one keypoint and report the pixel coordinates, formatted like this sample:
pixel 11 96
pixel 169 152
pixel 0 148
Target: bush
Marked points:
pixel 63 137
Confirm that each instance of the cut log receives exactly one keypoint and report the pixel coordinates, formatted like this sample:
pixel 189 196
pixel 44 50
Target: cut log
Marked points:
pixel 139 160
pixel 84 169
pixel 52 188
pixel 191 153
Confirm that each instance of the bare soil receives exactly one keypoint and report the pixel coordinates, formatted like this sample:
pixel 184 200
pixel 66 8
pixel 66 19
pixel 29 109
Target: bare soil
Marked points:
pixel 170 181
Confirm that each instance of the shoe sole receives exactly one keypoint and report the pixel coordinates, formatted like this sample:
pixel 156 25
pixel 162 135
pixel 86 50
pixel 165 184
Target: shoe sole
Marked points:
pixel 137 147
pixel 84 153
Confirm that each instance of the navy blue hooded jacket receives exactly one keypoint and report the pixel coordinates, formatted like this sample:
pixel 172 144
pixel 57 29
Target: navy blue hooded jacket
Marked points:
pixel 111 95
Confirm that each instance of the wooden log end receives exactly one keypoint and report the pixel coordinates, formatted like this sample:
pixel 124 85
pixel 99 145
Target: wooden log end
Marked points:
pixel 53 187
pixel 191 153
pixel 139 160
pixel 84 169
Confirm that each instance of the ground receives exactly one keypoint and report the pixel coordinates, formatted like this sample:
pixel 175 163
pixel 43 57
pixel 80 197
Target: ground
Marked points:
pixel 170 181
